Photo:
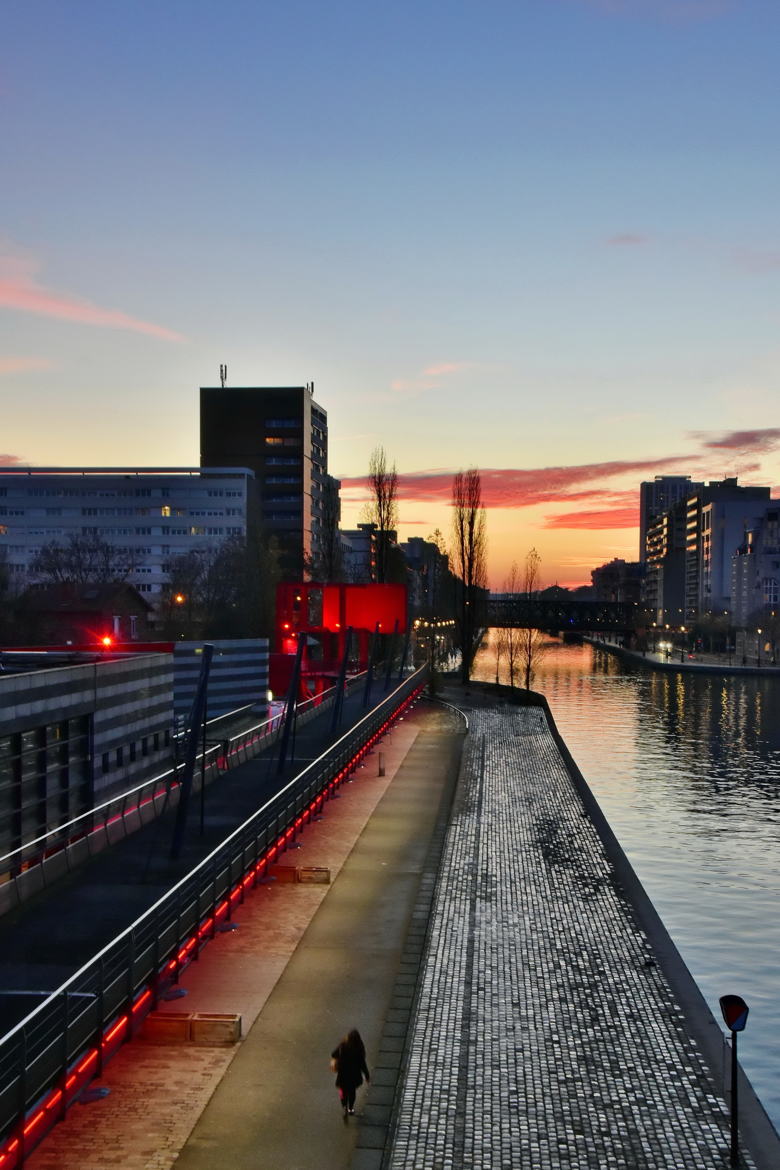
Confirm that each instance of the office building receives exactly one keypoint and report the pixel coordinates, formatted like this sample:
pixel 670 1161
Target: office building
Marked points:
pixel 281 434
pixel 149 516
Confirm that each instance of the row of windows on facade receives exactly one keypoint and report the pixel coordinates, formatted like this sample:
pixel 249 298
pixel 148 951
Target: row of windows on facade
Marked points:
pixel 45 779
pixel 164 510
pixel 119 493
pixel 56 533
pixel 128 753
pixel 91 530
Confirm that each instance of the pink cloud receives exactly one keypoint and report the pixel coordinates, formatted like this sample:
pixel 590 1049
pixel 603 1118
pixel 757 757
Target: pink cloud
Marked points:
pixel 751 260
pixel 437 371
pixel 520 487
pixel 19 365
pixel 9 461
pixel 627 239
pixel 427 379
pixel 627 517
pixel 20 291
pixel 754 441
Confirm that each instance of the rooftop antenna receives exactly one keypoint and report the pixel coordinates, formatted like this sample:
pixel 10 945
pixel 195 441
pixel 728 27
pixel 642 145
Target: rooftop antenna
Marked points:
pixel 223 375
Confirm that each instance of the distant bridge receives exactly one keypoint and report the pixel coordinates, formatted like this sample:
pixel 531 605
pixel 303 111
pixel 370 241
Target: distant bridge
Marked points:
pixel 543 613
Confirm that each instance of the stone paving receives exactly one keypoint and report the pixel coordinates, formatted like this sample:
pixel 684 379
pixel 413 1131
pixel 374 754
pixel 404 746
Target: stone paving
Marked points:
pixel 545 1036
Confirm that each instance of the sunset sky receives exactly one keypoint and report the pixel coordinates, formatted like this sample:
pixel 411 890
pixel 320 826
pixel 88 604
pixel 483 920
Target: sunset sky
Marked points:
pixel 539 237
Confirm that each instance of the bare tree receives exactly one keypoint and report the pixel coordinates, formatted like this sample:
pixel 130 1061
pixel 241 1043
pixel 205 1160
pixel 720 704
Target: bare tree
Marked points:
pixel 512 635
pixel 469 528
pixel 227 591
pixel 501 646
pixel 531 643
pixel 82 560
pixel 382 509
pixel 329 562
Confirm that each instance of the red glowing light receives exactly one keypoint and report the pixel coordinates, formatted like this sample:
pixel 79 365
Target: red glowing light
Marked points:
pixel 107 640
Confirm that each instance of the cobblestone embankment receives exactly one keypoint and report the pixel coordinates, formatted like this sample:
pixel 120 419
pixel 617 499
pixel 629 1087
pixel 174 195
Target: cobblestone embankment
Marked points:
pixel 545 1033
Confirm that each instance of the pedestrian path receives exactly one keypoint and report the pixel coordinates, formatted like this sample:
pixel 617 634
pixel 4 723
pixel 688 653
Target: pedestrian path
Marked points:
pixel 304 964
pixel 545 1035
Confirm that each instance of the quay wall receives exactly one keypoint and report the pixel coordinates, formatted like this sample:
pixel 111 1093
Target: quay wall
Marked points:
pixel 756 1130
pixel 655 662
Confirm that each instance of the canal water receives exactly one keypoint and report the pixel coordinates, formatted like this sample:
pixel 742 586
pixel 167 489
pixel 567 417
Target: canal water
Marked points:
pixel 686 768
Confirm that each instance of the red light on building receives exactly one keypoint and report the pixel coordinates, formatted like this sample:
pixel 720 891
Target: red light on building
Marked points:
pixel 106 641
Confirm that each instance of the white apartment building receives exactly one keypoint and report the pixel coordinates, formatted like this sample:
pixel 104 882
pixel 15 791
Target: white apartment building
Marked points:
pixel 156 514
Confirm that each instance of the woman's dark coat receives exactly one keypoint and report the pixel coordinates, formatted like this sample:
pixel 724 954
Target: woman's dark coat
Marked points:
pixel 351 1062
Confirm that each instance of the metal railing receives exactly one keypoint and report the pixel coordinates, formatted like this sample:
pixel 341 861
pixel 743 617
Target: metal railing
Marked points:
pixel 50 1055
pixel 46 858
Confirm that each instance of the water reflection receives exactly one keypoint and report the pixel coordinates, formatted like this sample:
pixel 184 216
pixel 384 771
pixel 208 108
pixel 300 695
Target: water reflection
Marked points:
pixel 687 770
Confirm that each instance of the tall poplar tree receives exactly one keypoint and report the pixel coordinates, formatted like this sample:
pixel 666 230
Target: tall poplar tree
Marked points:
pixel 469 529
pixel 382 509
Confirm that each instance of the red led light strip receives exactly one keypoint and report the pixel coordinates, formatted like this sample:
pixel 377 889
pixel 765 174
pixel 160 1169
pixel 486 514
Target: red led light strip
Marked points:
pixel 49 1109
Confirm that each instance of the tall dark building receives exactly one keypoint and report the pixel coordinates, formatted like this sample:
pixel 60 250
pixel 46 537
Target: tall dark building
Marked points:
pixel 281 434
pixel 658 496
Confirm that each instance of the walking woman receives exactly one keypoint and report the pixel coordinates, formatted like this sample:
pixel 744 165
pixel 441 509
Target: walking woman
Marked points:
pixel 348 1061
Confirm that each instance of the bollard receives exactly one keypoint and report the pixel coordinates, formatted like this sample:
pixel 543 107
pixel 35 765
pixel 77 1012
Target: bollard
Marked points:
pixel 381 763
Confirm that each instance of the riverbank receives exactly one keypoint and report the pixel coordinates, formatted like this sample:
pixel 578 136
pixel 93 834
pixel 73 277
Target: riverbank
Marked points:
pixel 555 1023
pixel 698 663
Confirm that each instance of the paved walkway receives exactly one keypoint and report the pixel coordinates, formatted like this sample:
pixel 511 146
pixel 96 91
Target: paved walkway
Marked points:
pixel 545 1035
pixel 305 964
pixel 542 1036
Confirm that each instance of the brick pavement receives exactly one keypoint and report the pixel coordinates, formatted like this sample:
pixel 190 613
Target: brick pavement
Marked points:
pixel 545 1035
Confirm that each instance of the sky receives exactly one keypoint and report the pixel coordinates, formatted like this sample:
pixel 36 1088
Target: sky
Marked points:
pixel 537 237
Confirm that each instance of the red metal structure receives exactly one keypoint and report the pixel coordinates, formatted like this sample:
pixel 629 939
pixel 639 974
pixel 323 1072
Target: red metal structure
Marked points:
pixel 325 613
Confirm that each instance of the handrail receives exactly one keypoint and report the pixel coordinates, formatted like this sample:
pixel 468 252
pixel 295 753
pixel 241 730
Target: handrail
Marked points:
pixel 66 829
pixel 39 848
pixel 295 781
pixel 49 1055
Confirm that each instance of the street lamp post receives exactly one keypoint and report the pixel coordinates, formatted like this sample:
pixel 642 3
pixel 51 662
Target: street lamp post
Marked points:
pixel 735 1014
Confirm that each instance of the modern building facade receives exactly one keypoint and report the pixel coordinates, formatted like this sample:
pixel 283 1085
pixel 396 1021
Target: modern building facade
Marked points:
pixel 664 583
pixel 658 496
pixel 281 434
pixel 238 676
pixel 73 734
pixel 150 516
pixel 718 515
pixel 755 570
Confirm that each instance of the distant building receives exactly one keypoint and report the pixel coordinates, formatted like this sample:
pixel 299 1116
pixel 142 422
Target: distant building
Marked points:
pixel 281 434
pixel 755 569
pixel 658 496
pixel 57 615
pixel 151 515
pixel 359 551
pixel 430 580
pixel 718 516
pixel 664 583
pixel 618 580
